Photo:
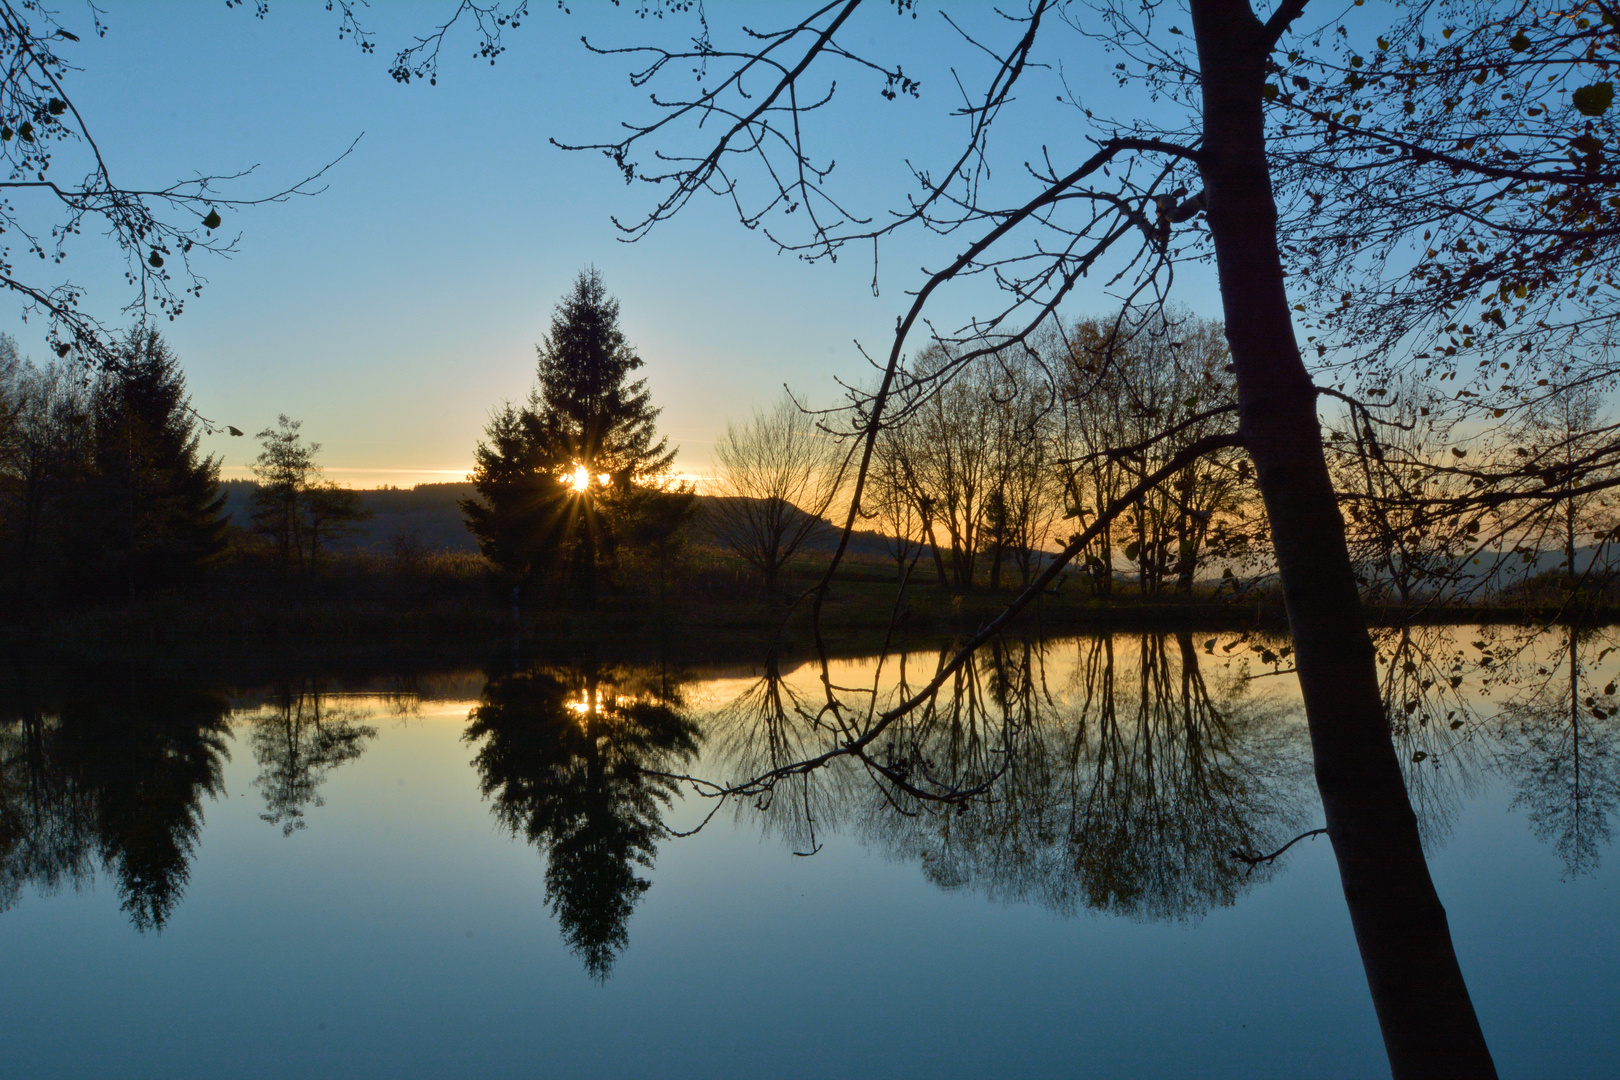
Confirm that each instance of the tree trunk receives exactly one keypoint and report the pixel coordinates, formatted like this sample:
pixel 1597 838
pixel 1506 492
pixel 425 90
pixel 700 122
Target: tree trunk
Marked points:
pixel 1104 584
pixel 939 561
pixel 1423 1007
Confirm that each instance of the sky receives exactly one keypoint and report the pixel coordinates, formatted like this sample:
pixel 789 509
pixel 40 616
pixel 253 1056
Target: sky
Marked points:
pixel 392 311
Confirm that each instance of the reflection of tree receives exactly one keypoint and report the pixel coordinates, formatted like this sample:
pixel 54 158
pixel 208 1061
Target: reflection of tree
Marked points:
pixel 1169 776
pixel 564 757
pixel 1560 744
pixel 765 727
pixel 295 746
pixel 1432 718
pixel 1128 792
pixel 110 770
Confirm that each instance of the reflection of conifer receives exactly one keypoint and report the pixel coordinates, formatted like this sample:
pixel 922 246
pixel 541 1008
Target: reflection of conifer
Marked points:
pixel 564 763
pixel 118 769
pixel 47 837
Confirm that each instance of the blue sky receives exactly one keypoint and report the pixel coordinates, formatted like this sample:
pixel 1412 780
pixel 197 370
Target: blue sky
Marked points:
pixel 392 311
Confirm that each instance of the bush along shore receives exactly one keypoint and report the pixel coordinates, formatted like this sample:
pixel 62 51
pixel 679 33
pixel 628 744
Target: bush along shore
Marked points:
pixel 456 603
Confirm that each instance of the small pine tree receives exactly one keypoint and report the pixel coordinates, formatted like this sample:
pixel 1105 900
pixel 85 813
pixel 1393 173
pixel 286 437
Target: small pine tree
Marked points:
pixel 283 470
pixel 293 506
pixel 517 500
pixel 156 508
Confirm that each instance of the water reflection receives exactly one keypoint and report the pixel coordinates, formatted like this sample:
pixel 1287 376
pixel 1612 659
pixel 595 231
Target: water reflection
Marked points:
pixel 1114 774
pixel 564 754
pixel 302 738
pixel 1431 691
pixel 1125 788
pixel 107 768
pixel 1558 745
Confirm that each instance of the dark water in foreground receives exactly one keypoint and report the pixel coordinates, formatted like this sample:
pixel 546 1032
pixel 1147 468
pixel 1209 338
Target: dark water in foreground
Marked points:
pixel 446 875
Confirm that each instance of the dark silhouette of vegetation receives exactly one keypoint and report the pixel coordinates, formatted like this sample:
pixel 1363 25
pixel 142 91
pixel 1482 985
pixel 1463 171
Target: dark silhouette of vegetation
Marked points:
pixel 103 490
pixel 565 480
pixel 108 771
pixel 154 505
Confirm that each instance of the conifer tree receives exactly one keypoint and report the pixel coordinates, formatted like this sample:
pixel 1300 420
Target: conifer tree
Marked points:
pixel 562 481
pixel 155 507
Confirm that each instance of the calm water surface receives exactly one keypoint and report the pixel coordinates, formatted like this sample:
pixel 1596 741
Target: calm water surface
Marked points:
pixel 472 873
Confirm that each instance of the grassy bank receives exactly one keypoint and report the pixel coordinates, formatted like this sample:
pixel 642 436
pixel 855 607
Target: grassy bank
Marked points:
pixel 447 605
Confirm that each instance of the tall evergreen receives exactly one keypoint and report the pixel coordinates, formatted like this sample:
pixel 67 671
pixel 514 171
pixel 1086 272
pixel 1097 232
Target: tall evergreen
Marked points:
pixel 154 507
pixel 586 411
pixel 562 481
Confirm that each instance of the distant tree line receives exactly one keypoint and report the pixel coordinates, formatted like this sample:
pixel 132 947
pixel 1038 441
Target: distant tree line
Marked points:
pixel 994 455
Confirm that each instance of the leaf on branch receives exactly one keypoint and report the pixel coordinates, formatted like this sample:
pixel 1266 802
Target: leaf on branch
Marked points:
pixel 1593 100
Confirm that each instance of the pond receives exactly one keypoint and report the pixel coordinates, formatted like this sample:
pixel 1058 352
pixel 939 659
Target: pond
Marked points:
pixel 1049 869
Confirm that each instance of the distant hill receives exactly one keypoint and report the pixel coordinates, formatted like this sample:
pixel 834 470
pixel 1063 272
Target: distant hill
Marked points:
pixel 824 537
pixel 429 517
pixel 425 516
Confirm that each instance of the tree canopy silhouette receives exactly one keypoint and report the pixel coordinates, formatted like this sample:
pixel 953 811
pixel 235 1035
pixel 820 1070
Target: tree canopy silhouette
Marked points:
pixel 563 480
pixel 157 507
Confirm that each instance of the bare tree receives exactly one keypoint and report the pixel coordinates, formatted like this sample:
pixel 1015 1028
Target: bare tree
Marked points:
pixel 893 503
pixel 953 456
pixel 1428 198
pixel 1136 390
pixel 1025 493
pixel 778 476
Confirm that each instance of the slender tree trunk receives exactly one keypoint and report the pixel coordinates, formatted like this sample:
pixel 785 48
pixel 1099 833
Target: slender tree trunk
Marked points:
pixel 939 561
pixel 1569 545
pixel 1423 1007
pixel 1105 563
